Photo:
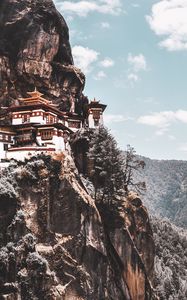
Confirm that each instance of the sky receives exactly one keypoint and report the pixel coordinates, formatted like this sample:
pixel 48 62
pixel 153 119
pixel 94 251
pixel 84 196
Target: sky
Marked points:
pixel 134 56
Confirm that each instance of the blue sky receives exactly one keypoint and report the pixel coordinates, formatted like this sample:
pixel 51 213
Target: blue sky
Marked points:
pixel 134 54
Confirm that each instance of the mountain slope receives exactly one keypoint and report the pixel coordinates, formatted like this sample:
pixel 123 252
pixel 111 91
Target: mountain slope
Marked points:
pixel 166 194
pixel 171 260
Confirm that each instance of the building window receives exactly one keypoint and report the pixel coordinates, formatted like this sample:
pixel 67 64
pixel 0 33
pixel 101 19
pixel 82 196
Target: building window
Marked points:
pixel 96 122
pixel 5 146
pixel 25 118
pixel 49 119
pixel 47 135
pixel 96 114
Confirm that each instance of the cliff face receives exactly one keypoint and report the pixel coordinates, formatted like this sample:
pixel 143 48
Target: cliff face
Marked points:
pixel 57 245
pixel 35 52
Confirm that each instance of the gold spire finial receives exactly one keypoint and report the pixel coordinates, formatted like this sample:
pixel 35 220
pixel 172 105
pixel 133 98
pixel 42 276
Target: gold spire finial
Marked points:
pixel 35 93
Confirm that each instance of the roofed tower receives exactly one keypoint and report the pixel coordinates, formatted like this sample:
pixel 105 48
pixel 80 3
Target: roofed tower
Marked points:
pixel 95 113
pixel 35 98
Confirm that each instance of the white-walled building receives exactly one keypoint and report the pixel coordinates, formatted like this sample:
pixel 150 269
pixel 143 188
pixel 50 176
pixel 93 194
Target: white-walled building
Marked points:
pixel 37 126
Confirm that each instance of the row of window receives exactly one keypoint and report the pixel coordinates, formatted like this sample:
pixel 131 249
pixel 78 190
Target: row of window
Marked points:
pixel 5 137
pixel 47 135
pixel 74 124
pixel 49 119
pixel 24 137
pixel 33 115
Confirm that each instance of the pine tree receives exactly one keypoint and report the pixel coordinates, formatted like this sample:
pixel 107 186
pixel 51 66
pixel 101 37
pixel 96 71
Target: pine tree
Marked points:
pixel 112 172
pixel 107 174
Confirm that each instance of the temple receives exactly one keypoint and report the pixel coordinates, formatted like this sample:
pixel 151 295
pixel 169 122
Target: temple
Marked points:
pixel 36 126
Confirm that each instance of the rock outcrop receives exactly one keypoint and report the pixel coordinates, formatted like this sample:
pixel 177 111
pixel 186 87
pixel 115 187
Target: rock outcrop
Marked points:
pixel 57 245
pixel 35 52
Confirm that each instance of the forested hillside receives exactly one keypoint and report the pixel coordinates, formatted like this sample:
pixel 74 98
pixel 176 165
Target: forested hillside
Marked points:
pixel 166 189
pixel 170 260
pixel 166 199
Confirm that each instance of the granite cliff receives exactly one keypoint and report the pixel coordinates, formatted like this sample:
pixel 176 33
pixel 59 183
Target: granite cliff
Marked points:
pixel 35 52
pixel 56 244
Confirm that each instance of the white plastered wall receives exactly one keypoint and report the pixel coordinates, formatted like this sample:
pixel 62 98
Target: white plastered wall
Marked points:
pixel 56 141
pixel 91 121
pixel 21 155
pixel 2 152
pixel 37 119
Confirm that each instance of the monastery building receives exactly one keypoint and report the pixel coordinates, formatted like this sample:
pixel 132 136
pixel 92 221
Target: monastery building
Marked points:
pixel 37 126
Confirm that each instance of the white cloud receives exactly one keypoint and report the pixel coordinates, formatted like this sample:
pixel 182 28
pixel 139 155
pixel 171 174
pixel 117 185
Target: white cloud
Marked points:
pixel 100 75
pixel 79 36
pixel 181 115
pixel 107 63
pixel 163 120
pixel 137 62
pixel 171 137
pixel 84 7
pixel 161 131
pixel 136 5
pixel 84 58
pixel 160 119
pixel 105 25
pixel 109 118
pixel 132 77
pixel 69 19
pixel 183 147
pixel 169 19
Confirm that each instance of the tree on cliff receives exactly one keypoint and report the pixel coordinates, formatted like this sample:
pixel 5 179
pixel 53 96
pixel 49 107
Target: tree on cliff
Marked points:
pixel 112 170
pixel 107 171
pixel 132 164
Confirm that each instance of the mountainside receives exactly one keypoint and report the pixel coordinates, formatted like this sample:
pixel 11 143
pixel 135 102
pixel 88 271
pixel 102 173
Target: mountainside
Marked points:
pixel 35 52
pixel 166 195
pixel 55 244
pixel 170 260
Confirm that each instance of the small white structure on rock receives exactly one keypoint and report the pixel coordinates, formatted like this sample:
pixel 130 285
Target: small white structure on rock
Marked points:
pixel 95 112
